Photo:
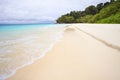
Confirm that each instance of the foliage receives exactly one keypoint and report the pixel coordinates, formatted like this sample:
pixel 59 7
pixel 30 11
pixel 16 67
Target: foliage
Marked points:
pixel 91 10
pixel 107 12
pixel 84 19
pixel 75 14
pixel 112 19
pixel 100 6
pixel 66 19
pixel 106 4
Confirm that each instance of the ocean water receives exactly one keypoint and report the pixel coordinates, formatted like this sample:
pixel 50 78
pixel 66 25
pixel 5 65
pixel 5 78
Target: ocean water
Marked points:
pixel 21 45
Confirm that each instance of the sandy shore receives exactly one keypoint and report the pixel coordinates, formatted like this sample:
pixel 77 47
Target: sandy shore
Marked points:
pixel 79 55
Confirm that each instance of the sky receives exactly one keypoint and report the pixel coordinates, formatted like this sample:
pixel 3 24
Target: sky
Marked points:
pixel 40 10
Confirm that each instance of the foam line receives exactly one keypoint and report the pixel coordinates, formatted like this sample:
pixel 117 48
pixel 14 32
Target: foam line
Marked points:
pixel 57 38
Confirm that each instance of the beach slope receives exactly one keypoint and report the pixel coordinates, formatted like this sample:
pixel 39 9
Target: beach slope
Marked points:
pixel 82 54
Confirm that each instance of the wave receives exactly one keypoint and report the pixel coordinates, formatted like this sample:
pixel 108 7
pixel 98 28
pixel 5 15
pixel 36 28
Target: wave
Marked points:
pixel 33 50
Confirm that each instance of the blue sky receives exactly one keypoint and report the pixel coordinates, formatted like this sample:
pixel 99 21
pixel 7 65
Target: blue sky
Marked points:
pixel 40 10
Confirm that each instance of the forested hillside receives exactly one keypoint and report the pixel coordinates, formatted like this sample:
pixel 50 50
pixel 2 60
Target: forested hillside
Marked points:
pixel 108 12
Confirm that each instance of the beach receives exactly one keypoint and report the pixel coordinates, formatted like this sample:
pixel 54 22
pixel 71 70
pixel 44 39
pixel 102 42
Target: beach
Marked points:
pixel 85 52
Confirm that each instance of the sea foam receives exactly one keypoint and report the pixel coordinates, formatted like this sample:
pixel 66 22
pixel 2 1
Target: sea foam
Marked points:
pixel 22 48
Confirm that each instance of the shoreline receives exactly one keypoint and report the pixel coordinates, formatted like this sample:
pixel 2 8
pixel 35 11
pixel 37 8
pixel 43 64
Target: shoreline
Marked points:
pixel 56 39
pixel 64 54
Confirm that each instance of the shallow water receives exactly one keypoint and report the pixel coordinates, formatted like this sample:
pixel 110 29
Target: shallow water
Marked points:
pixel 21 45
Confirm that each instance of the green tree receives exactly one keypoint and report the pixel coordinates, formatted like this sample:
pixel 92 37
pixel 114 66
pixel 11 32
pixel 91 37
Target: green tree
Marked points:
pixel 112 1
pixel 75 14
pixel 91 10
pixel 103 13
pixel 106 4
pixel 65 19
pixel 112 19
pixel 84 19
pixel 69 19
pixel 106 12
pixel 99 6
pixel 83 13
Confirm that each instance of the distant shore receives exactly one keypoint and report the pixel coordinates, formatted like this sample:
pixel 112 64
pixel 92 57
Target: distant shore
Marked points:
pixel 79 55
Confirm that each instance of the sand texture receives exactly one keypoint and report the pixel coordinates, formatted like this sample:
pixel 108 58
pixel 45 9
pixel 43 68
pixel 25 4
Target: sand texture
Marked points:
pixel 86 52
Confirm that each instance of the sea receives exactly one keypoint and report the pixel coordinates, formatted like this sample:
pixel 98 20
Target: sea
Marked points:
pixel 22 44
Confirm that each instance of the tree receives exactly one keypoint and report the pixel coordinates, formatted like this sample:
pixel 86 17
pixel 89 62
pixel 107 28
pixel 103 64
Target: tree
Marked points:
pixel 112 1
pixel 92 14
pixel 99 6
pixel 106 4
pixel 83 13
pixel 69 19
pixel 118 0
pixel 84 19
pixel 65 19
pixel 75 14
pixel 91 10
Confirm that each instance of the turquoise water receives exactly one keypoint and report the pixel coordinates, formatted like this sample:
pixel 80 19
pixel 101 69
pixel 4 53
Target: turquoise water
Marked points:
pixel 21 45
pixel 22 26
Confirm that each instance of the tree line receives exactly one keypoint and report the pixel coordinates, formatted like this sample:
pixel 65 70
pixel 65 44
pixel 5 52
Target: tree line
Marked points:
pixel 101 13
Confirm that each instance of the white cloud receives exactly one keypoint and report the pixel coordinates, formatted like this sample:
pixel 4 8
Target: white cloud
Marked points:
pixel 41 9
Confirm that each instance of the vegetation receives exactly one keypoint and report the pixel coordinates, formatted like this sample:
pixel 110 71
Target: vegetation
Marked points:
pixel 112 19
pixel 108 12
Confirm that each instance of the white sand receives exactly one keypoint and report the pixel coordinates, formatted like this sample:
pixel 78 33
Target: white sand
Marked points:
pixel 79 56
